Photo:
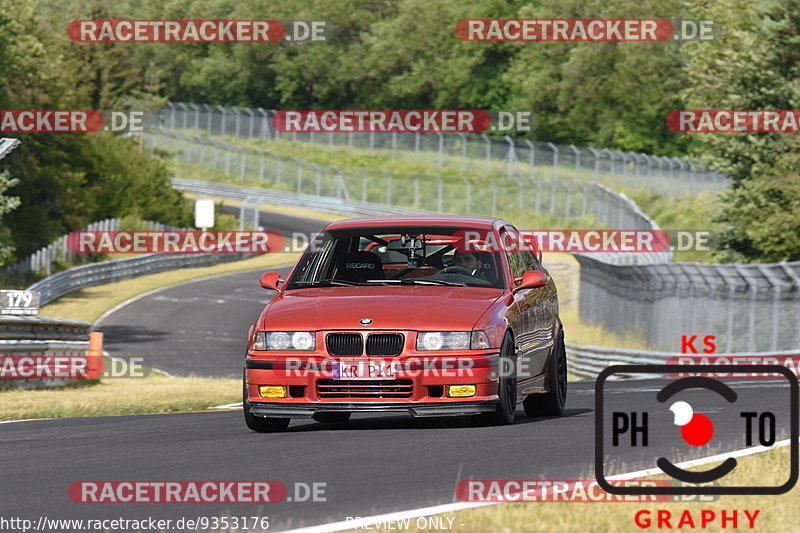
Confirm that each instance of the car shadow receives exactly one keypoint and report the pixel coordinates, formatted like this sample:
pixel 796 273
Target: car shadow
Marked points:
pixel 403 421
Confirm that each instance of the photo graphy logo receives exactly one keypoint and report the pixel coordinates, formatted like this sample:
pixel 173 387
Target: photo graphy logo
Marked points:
pixel 672 420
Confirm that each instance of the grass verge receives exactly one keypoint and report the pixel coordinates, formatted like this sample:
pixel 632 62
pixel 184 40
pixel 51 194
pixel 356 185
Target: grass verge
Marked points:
pixel 154 394
pixel 762 469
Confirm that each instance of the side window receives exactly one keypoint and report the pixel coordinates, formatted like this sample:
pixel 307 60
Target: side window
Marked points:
pixel 516 263
pixel 520 261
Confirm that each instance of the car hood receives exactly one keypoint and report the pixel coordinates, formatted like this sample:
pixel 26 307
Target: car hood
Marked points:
pixel 389 307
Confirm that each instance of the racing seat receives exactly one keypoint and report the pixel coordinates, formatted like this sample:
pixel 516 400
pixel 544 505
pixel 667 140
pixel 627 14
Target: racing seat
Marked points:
pixel 488 268
pixel 359 267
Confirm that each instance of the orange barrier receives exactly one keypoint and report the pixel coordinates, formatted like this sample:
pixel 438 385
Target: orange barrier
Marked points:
pixel 94 366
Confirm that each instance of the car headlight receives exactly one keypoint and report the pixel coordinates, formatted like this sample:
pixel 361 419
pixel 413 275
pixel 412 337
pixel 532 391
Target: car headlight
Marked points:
pixel 452 340
pixel 284 340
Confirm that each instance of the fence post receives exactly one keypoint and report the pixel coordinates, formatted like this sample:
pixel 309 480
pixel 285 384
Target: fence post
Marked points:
pixel 554 148
pixel 511 155
pixel 596 155
pixel 196 109
pixel 264 134
pixel 441 148
pixel 532 160
pixel 185 115
pixel 171 107
pixel 249 114
pixel 223 126
pixel 210 113
pixel 388 187
pixel 577 161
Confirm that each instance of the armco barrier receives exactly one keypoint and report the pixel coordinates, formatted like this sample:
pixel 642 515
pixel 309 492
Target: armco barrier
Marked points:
pixel 29 328
pixel 84 276
pixel 747 307
pixel 38 337
pixel 586 362
pixel 42 259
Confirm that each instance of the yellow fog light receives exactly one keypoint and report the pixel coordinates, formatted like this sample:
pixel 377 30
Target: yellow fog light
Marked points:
pixel 461 391
pixel 272 391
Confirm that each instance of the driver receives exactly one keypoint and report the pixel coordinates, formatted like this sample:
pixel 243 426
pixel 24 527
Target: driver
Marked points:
pixel 470 262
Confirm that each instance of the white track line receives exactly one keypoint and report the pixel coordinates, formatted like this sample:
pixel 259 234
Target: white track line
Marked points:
pixel 365 522
pixel 26 420
pixel 228 406
pixel 187 282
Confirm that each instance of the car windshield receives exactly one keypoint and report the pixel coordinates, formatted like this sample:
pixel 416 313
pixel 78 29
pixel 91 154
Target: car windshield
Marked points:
pixel 422 256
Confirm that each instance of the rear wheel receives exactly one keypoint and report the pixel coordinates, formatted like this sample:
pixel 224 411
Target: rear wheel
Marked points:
pixel 332 418
pixel 551 403
pixel 260 424
pixel 506 408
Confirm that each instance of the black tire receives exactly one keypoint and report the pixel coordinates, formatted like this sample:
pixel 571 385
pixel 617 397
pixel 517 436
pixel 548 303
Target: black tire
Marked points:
pixel 332 418
pixel 506 408
pixel 551 403
pixel 261 424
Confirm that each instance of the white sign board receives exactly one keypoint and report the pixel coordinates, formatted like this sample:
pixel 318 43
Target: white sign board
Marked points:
pixel 204 213
pixel 19 302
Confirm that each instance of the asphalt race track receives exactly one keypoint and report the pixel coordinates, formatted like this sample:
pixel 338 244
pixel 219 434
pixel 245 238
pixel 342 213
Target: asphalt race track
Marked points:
pixel 376 463
pixel 199 327
pixel 373 464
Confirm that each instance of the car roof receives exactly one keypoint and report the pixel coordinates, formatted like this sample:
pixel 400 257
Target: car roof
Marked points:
pixel 418 220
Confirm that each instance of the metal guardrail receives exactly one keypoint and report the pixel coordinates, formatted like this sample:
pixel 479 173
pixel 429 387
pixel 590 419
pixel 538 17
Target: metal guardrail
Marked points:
pixel 42 259
pixel 587 362
pixel 39 337
pixel 90 275
pixel 29 328
pixel 85 276
pixel 482 154
pixel 748 307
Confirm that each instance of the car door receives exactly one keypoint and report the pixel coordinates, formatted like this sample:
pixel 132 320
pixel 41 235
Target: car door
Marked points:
pixel 533 334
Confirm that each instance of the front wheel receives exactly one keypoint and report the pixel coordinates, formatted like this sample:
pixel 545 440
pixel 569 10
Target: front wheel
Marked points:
pixel 506 408
pixel 551 403
pixel 261 424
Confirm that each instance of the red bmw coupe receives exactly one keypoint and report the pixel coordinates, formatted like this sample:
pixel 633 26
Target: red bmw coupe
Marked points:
pixel 422 315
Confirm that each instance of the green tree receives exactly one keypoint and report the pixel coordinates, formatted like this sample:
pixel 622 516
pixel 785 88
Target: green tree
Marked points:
pixel 754 65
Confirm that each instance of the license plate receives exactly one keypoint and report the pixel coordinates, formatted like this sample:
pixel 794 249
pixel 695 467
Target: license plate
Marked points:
pixel 363 369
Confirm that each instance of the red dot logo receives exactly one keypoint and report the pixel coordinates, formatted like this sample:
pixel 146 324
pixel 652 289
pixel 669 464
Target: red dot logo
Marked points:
pixel 696 429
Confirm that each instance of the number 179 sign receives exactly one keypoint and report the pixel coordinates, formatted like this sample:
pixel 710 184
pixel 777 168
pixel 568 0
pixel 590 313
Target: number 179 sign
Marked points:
pixel 19 302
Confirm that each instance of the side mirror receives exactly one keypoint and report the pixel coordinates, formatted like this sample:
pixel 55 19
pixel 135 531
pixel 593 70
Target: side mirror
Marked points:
pixel 271 281
pixel 530 279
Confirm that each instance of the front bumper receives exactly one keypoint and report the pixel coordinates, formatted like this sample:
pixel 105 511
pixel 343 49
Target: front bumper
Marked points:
pixel 308 410
pixel 418 387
